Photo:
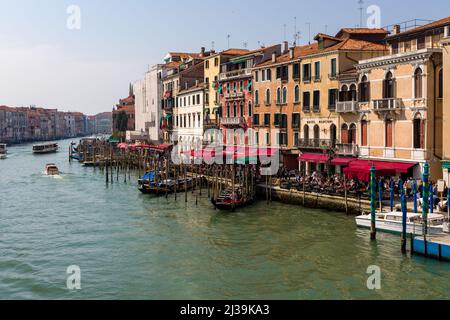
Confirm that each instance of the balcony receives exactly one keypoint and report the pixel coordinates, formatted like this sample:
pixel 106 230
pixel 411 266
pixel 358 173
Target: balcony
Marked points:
pixel 307 79
pixel 347 107
pixel 390 104
pixel 306 109
pixel 317 78
pixel 332 76
pixel 347 149
pixel 316 143
pixel 211 124
pixel 235 74
pixel 234 122
pixel 280 103
pixel 233 95
pixel 316 109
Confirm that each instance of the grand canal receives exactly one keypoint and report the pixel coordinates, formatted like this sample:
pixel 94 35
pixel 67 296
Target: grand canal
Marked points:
pixel 133 246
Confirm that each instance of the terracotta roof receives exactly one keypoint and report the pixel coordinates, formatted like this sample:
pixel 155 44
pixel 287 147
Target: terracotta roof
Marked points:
pixel 185 55
pixel 343 45
pixel 173 64
pixel 128 100
pixel 260 50
pixel 236 52
pixel 362 31
pixel 432 25
pixel 326 36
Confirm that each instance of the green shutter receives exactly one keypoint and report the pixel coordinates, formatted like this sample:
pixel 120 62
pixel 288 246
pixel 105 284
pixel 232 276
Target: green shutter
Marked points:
pixel 446 165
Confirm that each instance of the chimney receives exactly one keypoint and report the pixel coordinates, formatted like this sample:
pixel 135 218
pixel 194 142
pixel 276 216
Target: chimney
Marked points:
pixel 202 51
pixel 186 85
pixel 291 53
pixel 396 29
pixel 285 47
pixel 196 83
pixel 274 57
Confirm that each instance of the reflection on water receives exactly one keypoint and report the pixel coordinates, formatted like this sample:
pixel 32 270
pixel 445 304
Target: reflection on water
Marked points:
pixel 130 245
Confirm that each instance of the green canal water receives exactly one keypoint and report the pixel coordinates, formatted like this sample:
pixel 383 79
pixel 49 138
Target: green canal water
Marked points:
pixel 134 246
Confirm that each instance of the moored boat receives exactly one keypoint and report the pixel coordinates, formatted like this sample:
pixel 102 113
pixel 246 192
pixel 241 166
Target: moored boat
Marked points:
pixel 45 148
pixel 51 170
pixel 392 222
pixel 3 151
pixel 148 185
pixel 229 200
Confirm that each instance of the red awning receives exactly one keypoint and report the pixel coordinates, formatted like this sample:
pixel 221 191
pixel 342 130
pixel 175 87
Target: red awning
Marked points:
pixel 362 173
pixel 397 167
pixel 314 158
pixel 343 162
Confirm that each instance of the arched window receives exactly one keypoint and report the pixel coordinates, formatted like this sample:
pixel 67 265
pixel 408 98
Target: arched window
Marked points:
pixel 343 94
pixel 389 130
pixel 418 84
pixel 284 95
pixel 257 97
pixel 352 93
pixel 364 90
pixel 250 109
pixel 278 95
pixel 228 90
pixel 306 132
pixel 268 97
pixel 269 75
pixel 333 134
pixel 241 109
pixel 388 86
pixel 364 132
pixel 228 111
pixel 344 134
pixel 297 94
pixel 316 132
pixel 352 134
pixel 419 132
pixel 235 110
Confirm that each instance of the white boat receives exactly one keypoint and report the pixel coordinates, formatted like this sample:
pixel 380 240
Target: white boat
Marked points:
pixel 45 148
pixel 392 222
pixel 3 151
pixel 51 169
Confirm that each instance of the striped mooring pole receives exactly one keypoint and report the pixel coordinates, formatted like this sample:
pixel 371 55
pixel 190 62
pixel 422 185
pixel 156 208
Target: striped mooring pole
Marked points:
pixel 416 209
pixel 426 175
pixel 404 217
pixel 373 202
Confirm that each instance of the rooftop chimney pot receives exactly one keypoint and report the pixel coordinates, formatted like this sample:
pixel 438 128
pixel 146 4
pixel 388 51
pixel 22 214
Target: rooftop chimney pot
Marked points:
pixel 396 29
pixel 274 57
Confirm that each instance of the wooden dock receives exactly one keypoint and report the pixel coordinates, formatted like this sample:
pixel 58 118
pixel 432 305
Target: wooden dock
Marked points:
pixel 437 247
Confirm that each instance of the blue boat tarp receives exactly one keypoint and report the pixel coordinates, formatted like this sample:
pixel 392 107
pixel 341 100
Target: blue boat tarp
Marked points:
pixel 149 176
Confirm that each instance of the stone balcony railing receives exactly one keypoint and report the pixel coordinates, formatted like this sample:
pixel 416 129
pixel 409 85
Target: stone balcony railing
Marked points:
pixel 233 121
pixel 347 149
pixel 316 143
pixel 387 104
pixel 235 74
pixel 347 107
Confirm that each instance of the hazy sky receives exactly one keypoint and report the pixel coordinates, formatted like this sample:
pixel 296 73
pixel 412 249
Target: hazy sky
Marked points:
pixel 44 63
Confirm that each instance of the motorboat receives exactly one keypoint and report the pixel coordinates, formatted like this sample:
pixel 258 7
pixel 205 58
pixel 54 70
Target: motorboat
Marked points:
pixel 45 148
pixel 51 170
pixel 393 222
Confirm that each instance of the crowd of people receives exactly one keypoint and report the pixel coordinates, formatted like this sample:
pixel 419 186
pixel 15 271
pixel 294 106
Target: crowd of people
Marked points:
pixel 336 184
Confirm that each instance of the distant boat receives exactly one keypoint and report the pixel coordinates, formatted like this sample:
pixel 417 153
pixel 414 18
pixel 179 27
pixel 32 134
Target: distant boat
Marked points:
pixel 51 170
pixel 392 222
pixel 3 151
pixel 45 148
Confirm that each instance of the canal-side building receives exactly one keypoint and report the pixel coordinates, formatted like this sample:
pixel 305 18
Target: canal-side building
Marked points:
pixel 276 97
pixel 401 102
pixel 212 63
pixel 148 104
pixel 189 116
pixel 322 121
pixel 123 116
pixel 445 88
pixel 236 95
pixel 180 74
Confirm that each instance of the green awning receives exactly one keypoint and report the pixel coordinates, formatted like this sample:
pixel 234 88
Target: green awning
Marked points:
pixel 238 61
pixel 249 86
pixel 446 165
pixel 220 89
pixel 113 140
pixel 167 116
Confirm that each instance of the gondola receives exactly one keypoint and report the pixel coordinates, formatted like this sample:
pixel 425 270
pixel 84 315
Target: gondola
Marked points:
pixel 230 201
pixel 147 185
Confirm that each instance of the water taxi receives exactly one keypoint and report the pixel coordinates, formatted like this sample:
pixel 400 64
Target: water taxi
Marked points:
pixel 392 222
pixel 45 148
pixel 51 170
pixel 3 151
